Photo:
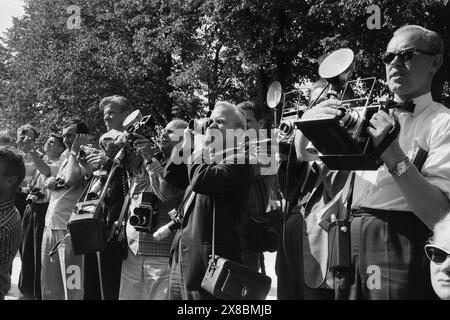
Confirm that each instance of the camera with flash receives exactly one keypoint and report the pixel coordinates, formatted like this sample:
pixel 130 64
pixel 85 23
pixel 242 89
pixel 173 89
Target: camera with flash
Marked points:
pixel 343 142
pixel 294 104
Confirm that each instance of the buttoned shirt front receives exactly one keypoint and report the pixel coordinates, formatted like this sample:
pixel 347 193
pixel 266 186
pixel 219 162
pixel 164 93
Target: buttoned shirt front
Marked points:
pixel 427 128
pixel 150 180
pixel 62 201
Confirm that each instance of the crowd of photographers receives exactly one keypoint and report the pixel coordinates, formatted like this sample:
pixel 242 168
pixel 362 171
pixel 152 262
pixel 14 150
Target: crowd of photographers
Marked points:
pixel 151 215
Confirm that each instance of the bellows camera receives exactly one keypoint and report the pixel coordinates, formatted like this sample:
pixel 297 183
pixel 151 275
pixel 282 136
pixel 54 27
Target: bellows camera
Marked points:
pixel 343 143
pixel 144 215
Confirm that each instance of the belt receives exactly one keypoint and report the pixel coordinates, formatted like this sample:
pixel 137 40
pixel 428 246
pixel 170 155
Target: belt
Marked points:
pixel 377 212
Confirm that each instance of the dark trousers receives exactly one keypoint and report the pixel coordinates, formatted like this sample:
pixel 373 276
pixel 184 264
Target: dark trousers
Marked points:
pixel 111 266
pixel 289 265
pixel 388 260
pixel 177 287
pixel 32 227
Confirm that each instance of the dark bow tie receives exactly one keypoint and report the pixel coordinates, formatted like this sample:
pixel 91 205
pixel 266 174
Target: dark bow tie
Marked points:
pixel 407 106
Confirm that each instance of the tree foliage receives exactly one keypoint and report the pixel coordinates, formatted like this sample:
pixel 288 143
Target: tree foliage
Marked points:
pixel 178 57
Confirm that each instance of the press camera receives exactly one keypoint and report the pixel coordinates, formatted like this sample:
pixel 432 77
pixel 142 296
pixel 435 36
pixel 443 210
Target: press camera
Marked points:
pixel 294 104
pixel 144 215
pixel 343 143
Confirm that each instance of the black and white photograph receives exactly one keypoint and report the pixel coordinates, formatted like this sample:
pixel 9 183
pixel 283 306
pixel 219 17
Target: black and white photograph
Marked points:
pixel 241 152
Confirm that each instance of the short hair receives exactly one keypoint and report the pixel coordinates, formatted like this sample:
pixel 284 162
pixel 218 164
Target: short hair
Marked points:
pixel 5 139
pixel 251 106
pixel 179 123
pixel 431 38
pixel 242 123
pixel 28 127
pixel 120 101
pixel 81 126
pixel 59 138
pixel 442 225
pixel 13 162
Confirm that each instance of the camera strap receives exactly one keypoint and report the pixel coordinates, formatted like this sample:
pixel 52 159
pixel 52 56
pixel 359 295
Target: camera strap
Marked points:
pixel 346 197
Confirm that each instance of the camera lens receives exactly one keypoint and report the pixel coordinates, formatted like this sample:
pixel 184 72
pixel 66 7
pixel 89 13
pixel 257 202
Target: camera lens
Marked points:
pixel 349 119
pixel 286 129
pixel 136 220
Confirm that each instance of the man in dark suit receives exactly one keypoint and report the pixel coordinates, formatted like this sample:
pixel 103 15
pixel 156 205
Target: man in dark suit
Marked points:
pixel 219 179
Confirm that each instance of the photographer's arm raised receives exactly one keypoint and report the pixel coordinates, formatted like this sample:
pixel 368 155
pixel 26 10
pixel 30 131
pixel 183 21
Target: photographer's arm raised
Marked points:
pixel 75 172
pixel 28 147
pixel 426 200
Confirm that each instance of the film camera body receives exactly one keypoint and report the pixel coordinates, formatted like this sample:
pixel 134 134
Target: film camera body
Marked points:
pixel 34 195
pixel 135 124
pixel 294 103
pixel 200 125
pixel 144 215
pixel 343 143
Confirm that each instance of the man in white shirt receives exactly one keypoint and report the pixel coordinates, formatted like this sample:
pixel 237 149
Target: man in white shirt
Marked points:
pixel 61 273
pixel 395 207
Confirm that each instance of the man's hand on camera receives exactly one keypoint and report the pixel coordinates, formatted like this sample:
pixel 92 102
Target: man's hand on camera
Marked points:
pixel 83 161
pixel 96 159
pixel 80 139
pixel 325 109
pixel 112 149
pixel 50 183
pixel 188 140
pixel 28 144
pixel 145 147
pixel 381 124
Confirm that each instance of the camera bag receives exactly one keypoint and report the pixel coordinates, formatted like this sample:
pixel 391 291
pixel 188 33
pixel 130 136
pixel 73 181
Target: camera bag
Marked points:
pixel 87 227
pixel 228 280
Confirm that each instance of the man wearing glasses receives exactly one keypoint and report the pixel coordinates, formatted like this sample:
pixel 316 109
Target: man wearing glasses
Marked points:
pixel 395 207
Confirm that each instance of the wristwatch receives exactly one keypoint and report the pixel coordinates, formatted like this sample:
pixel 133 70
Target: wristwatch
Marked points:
pixel 73 153
pixel 400 167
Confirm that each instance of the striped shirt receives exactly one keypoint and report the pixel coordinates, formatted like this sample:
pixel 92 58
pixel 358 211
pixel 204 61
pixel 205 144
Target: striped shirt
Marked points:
pixel 10 239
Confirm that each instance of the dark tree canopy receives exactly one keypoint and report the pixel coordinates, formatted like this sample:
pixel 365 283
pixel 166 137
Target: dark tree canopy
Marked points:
pixel 176 58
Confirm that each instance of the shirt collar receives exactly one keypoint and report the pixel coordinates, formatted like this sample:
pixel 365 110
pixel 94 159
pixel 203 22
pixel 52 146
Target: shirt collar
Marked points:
pixel 421 103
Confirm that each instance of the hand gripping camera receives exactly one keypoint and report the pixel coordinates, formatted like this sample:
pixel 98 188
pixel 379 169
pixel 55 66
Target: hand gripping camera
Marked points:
pixel 200 125
pixel 294 103
pixel 166 230
pixel 343 143
pixel 135 124
pixel 34 195
pixel 144 216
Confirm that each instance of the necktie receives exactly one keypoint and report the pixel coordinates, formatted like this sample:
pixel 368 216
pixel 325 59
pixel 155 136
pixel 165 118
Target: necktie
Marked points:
pixel 407 105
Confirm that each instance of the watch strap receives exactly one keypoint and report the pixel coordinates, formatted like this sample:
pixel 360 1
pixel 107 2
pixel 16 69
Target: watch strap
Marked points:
pixel 401 167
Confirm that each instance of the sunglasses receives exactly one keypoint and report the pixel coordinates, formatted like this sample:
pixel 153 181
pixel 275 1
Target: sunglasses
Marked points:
pixel 404 55
pixel 436 254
